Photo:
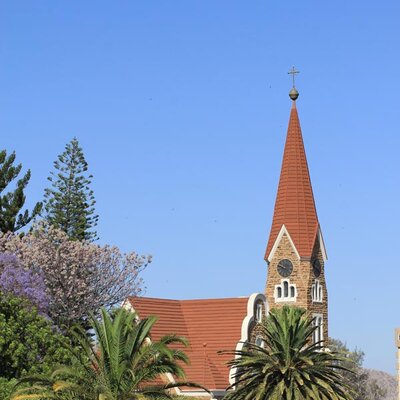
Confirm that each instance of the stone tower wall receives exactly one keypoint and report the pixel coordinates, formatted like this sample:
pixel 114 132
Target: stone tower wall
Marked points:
pixel 302 276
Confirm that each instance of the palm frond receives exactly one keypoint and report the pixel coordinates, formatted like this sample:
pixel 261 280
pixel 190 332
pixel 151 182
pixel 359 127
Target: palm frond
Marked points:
pixel 122 363
pixel 289 366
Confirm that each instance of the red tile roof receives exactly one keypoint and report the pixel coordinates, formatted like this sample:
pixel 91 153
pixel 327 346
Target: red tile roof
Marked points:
pixel 294 205
pixel 210 325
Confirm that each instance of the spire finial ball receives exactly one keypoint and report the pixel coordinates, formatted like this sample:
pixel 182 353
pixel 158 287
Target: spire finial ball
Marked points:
pixel 294 94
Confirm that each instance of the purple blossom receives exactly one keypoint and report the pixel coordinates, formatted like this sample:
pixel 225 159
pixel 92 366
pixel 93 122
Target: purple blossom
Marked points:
pixel 22 283
pixel 7 260
pixel 79 277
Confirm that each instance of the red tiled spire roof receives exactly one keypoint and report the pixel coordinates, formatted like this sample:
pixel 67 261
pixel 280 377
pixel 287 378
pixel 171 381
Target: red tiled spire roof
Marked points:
pixel 294 205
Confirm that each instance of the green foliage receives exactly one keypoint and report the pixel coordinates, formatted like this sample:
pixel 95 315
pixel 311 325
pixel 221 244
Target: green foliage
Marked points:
pixel 69 203
pixel 121 365
pixel 11 203
pixel 354 375
pixel 6 388
pixel 28 343
pixel 288 367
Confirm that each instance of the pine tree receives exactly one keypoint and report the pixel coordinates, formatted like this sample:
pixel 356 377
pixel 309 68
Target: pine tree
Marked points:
pixel 11 203
pixel 69 203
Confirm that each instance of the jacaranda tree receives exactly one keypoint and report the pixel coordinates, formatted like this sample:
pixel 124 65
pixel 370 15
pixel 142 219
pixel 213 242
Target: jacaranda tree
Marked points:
pixel 25 283
pixel 80 277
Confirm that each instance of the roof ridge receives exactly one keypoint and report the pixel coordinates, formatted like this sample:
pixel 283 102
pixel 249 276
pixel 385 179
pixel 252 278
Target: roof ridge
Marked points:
pixel 190 300
pixel 152 298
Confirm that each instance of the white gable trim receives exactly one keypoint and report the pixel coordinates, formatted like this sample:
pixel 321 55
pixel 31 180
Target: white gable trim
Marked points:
pixel 127 305
pixel 250 317
pixel 322 245
pixel 277 241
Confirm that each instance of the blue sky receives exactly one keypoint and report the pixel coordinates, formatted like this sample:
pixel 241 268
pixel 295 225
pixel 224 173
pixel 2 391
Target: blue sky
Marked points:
pixel 182 108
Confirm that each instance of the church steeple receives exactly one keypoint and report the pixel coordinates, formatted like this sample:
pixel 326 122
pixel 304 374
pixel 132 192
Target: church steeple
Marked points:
pixel 295 251
pixel 294 205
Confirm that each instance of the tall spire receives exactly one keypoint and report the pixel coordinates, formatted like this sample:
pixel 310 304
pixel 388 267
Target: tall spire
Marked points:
pixel 294 205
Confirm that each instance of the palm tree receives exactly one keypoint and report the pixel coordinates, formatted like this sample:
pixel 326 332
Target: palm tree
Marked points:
pixel 123 364
pixel 288 366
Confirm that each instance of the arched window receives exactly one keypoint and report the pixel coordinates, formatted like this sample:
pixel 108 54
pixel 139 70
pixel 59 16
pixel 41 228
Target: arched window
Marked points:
pixel 285 291
pixel 318 334
pixel 316 292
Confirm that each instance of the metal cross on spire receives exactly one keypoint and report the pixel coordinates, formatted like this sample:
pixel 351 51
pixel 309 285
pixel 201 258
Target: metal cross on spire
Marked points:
pixel 293 72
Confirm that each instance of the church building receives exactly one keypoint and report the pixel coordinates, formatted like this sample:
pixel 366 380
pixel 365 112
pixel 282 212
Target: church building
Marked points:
pixel 295 255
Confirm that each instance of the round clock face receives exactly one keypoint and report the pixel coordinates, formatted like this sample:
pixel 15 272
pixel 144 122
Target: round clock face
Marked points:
pixel 285 268
pixel 316 266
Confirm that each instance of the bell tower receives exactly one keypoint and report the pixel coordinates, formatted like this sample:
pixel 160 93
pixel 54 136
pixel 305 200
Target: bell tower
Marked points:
pixel 295 252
